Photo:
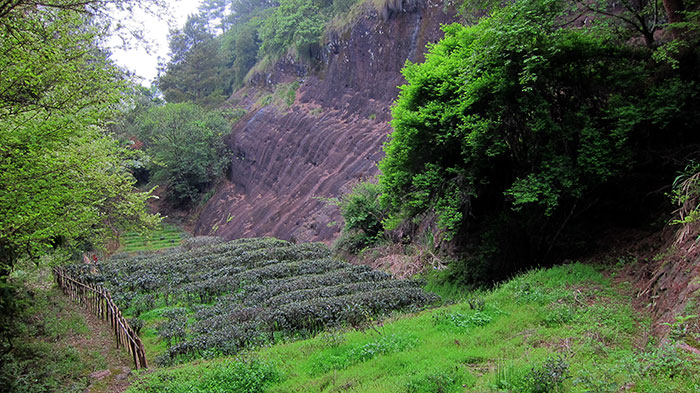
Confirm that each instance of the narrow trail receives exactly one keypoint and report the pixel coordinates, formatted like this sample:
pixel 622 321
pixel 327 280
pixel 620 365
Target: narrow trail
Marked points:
pixel 100 343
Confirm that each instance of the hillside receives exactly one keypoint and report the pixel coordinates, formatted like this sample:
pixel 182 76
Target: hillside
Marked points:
pixel 566 329
pixel 287 160
pixel 389 201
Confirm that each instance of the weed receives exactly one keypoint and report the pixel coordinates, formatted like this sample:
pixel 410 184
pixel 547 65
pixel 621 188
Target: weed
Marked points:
pixel 558 315
pixel 599 381
pixel 332 338
pixel 507 377
pixel 476 303
pixel 681 327
pixel 662 361
pixel 440 382
pixel 461 320
pixel 548 377
pixel 340 358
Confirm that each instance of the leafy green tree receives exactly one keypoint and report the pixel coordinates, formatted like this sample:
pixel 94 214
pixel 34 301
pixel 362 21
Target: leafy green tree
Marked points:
pixel 628 18
pixel 296 24
pixel 197 71
pixel 511 127
pixel 242 46
pixel 61 177
pixel 186 147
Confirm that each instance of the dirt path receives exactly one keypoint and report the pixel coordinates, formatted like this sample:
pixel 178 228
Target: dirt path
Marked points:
pixel 100 343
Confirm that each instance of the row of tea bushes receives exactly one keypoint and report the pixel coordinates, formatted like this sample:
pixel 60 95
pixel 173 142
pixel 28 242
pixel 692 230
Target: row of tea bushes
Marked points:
pixel 219 297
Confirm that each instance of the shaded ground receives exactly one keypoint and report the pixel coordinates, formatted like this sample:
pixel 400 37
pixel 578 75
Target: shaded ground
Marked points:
pixel 114 377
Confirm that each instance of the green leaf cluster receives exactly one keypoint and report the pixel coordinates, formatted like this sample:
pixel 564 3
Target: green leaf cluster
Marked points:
pixel 63 179
pixel 185 145
pixel 294 24
pixel 511 124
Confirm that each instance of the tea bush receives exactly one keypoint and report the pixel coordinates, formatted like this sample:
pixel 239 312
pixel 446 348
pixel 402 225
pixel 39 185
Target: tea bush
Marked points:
pixel 221 297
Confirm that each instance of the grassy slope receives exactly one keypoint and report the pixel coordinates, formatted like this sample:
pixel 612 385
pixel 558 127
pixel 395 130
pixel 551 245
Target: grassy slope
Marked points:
pixel 568 321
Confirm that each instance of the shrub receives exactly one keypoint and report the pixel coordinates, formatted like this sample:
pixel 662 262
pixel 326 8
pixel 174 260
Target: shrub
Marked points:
pixel 548 377
pixel 186 146
pixel 249 292
pixel 513 127
pixel 363 217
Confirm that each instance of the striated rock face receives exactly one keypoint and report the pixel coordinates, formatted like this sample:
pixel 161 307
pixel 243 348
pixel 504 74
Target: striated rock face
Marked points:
pixel 288 161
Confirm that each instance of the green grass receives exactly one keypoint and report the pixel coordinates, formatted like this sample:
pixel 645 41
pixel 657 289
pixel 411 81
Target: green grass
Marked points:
pixel 167 235
pixel 566 329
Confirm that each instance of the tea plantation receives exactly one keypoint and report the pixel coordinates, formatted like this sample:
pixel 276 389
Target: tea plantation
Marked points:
pixel 210 298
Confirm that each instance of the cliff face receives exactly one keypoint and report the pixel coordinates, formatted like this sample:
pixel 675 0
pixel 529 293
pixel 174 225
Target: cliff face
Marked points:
pixel 287 161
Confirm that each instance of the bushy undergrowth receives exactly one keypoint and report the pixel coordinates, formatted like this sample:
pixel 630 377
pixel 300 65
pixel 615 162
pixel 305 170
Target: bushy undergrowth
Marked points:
pixel 221 297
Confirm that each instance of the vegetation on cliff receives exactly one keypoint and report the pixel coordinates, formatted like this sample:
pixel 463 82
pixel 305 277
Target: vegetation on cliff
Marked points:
pixel 522 135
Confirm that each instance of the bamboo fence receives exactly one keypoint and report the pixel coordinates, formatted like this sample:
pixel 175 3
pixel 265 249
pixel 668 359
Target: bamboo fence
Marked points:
pixel 99 302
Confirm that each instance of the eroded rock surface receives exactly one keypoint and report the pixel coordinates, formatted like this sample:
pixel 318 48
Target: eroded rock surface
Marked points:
pixel 289 161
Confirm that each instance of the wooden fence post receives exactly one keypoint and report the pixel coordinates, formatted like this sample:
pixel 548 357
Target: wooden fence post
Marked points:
pixel 99 301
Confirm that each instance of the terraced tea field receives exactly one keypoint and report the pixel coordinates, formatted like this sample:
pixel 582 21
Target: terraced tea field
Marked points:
pixel 166 236
pixel 216 299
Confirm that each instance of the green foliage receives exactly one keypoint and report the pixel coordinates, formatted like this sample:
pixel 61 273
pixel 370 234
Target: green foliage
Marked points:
pixel 186 147
pixel 686 194
pixel 229 376
pixel 64 180
pixel 363 217
pixel 243 46
pixel 463 321
pixel 294 24
pixel 548 377
pixel 443 381
pixel 197 71
pixel 347 356
pixel 511 125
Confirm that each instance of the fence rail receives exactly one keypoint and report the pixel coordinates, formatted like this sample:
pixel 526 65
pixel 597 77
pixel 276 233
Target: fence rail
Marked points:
pixel 99 302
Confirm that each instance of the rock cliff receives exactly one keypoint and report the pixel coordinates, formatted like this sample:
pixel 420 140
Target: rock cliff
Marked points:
pixel 287 161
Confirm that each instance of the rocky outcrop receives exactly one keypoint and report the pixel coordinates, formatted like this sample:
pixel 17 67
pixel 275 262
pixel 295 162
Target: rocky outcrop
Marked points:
pixel 289 161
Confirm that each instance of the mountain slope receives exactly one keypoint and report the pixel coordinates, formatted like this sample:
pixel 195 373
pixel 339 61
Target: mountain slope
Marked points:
pixel 288 159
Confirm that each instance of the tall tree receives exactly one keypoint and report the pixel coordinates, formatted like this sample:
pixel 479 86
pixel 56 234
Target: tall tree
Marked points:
pixel 62 178
pixel 186 146
pixel 197 72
